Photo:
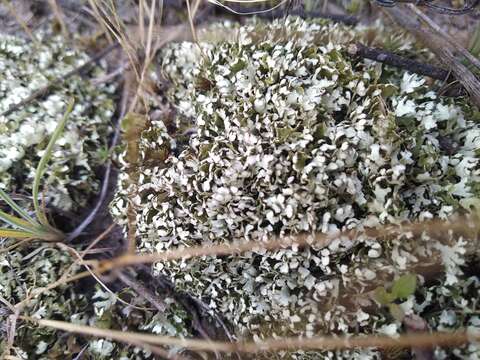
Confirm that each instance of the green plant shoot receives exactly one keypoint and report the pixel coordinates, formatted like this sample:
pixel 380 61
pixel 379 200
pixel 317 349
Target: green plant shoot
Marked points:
pixel 26 226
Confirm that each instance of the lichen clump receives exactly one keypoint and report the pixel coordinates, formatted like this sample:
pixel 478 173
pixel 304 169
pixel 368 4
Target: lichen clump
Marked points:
pixel 279 132
pixel 24 69
pixel 28 268
pixel 25 276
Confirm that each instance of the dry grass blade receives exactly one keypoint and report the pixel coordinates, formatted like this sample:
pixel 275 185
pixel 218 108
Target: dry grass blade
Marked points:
pixel 142 291
pixel 98 17
pixel 441 32
pixel 150 51
pixel 463 226
pixel 419 340
pixel 20 21
pixel 65 278
pixel 318 240
pixel 141 22
pixel 151 24
pixel 117 32
pixel 57 12
pixel 191 16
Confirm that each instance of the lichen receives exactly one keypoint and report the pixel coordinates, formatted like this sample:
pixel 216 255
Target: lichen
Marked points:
pixel 285 135
pixel 25 68
pixel 31 269
pixel 70 181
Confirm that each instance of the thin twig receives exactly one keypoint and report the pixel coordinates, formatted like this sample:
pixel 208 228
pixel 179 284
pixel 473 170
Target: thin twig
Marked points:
pixel 97 278
pixel 65 278
pixel 379 55
pixel 445 35
pixel 392 59
pixel 419 340
pixel 141 290
pixel 99 238
pixel 463 226
pixel 318 240
pixel 20 21
pixel 413 66
pixel 188 302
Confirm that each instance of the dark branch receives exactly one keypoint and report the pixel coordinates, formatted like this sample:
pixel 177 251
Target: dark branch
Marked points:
pixel 444 48
pixel 392 59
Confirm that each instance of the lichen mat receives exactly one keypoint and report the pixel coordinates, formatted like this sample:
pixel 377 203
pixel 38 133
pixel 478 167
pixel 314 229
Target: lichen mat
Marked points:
pixel 278 132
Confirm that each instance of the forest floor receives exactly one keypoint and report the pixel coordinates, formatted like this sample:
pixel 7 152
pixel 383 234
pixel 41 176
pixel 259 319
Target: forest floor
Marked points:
pixel 93 26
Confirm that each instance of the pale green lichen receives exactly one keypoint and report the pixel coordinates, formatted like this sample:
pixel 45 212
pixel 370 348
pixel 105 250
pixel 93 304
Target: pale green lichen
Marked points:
pixel 70 182
pixel 24 69
pixel 284 134
pixel 33 268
